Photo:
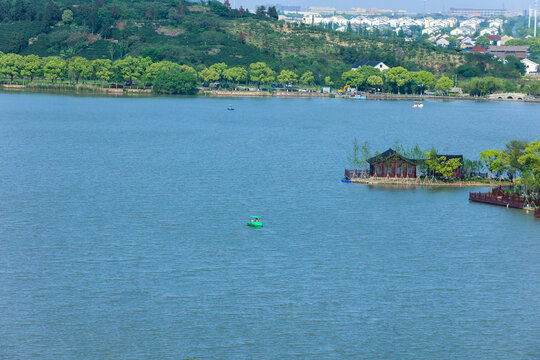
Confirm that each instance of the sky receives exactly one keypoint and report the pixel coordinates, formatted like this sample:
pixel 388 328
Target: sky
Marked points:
pixel 409 5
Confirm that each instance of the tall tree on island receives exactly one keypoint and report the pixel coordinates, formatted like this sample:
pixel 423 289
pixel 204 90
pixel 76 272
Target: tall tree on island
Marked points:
pixel 496 161
pixel 354 158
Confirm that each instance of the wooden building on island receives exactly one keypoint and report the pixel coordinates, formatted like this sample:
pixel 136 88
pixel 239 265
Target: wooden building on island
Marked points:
pixel 391 164
pixel 394 165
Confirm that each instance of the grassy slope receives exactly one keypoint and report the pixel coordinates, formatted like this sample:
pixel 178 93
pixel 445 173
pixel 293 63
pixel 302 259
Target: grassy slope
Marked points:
pixel 204 38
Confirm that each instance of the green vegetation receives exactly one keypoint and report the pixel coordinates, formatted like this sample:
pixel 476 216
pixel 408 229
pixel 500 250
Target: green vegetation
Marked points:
pixel 175 81
pixel 440 165
pixel 429 163
pixel 534 44
pixel 520 160
pixel 143 72
pixel 200 35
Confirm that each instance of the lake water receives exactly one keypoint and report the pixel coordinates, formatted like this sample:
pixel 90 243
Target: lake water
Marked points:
pixel 123 233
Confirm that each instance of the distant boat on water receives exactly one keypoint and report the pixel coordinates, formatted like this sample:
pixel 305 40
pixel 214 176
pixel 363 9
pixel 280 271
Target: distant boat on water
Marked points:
pixel 418 105
pixel 230 107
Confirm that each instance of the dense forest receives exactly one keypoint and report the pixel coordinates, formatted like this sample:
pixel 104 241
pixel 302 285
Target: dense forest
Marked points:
pixel 209 32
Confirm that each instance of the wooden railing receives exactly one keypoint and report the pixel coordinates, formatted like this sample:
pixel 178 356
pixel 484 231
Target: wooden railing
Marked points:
pixel 513 201
pixel 355 174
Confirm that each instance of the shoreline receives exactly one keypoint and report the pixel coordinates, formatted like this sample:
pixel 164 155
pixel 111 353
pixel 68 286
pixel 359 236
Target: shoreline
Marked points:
pixel 418 182
pixel 82 89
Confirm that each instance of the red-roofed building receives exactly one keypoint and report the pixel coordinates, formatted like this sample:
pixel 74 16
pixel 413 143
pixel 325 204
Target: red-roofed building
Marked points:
pixel 477 49
pixel 494 39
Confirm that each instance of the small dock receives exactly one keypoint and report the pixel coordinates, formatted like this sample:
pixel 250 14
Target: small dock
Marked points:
pixel 498 197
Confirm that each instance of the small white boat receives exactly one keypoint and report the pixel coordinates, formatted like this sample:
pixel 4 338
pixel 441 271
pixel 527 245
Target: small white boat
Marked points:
pixel 418 105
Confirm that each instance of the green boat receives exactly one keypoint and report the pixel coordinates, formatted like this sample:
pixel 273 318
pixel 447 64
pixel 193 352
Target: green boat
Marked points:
pixel 255 221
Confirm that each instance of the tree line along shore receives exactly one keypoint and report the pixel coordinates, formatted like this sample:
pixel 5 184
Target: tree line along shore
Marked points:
pixel 259 50
pixel 166 77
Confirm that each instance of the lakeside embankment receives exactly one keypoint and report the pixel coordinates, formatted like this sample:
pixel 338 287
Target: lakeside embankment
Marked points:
pixel 115 92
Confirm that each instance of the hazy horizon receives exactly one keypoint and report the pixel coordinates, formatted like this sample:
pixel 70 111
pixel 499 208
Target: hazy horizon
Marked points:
pixel 411 6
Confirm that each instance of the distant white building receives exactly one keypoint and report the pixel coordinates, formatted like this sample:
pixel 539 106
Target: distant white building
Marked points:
pixel 530 66
pixel 489 31
pixel 442 42
pixel 460 31
pixel 467 43
pixel 373 63
pixel 429 31
pixel 496 23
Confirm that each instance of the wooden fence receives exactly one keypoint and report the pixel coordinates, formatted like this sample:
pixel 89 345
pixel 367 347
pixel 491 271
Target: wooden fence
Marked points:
pixel 357 174
pixel 512 201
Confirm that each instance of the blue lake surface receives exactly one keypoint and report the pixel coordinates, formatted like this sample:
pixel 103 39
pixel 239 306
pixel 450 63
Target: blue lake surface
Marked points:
pixel 123 233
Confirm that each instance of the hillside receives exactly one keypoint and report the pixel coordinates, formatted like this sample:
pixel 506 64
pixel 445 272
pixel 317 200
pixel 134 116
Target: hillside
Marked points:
pixel 200 36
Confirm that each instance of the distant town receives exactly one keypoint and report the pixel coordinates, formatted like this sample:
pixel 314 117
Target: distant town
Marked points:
pixel 471 30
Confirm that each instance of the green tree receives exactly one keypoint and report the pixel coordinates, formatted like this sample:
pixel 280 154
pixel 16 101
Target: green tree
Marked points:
pixel 480 87
pixel 67 16
pixel 130 68
pixel 54 68
pixel 369 71
pixel 353 78
pixel 175 81
pixel 32 66
pixel 218 8
pixel 530 161
pixel 51 14
pixel 236 74
pixel 287 77
pixel 307 78
pixel 444 84
pixel 448 166
pixel 102 69
pixel 365 153
pixel 398 76
pixel 188 68
pixel 209 75
pixel 423 79
pixel 79 67
pixel 272 12
pixel 375 80
pixel 453 43
pixel 155 68
pixel 354 158
pixel 11 65
pixel 532 88
pixel 433 162
pixel 328 81
pixel 440 165
pixel 515 149
pixel 220 69
pixel 495 160
pixel 483 42
pixel 260 73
